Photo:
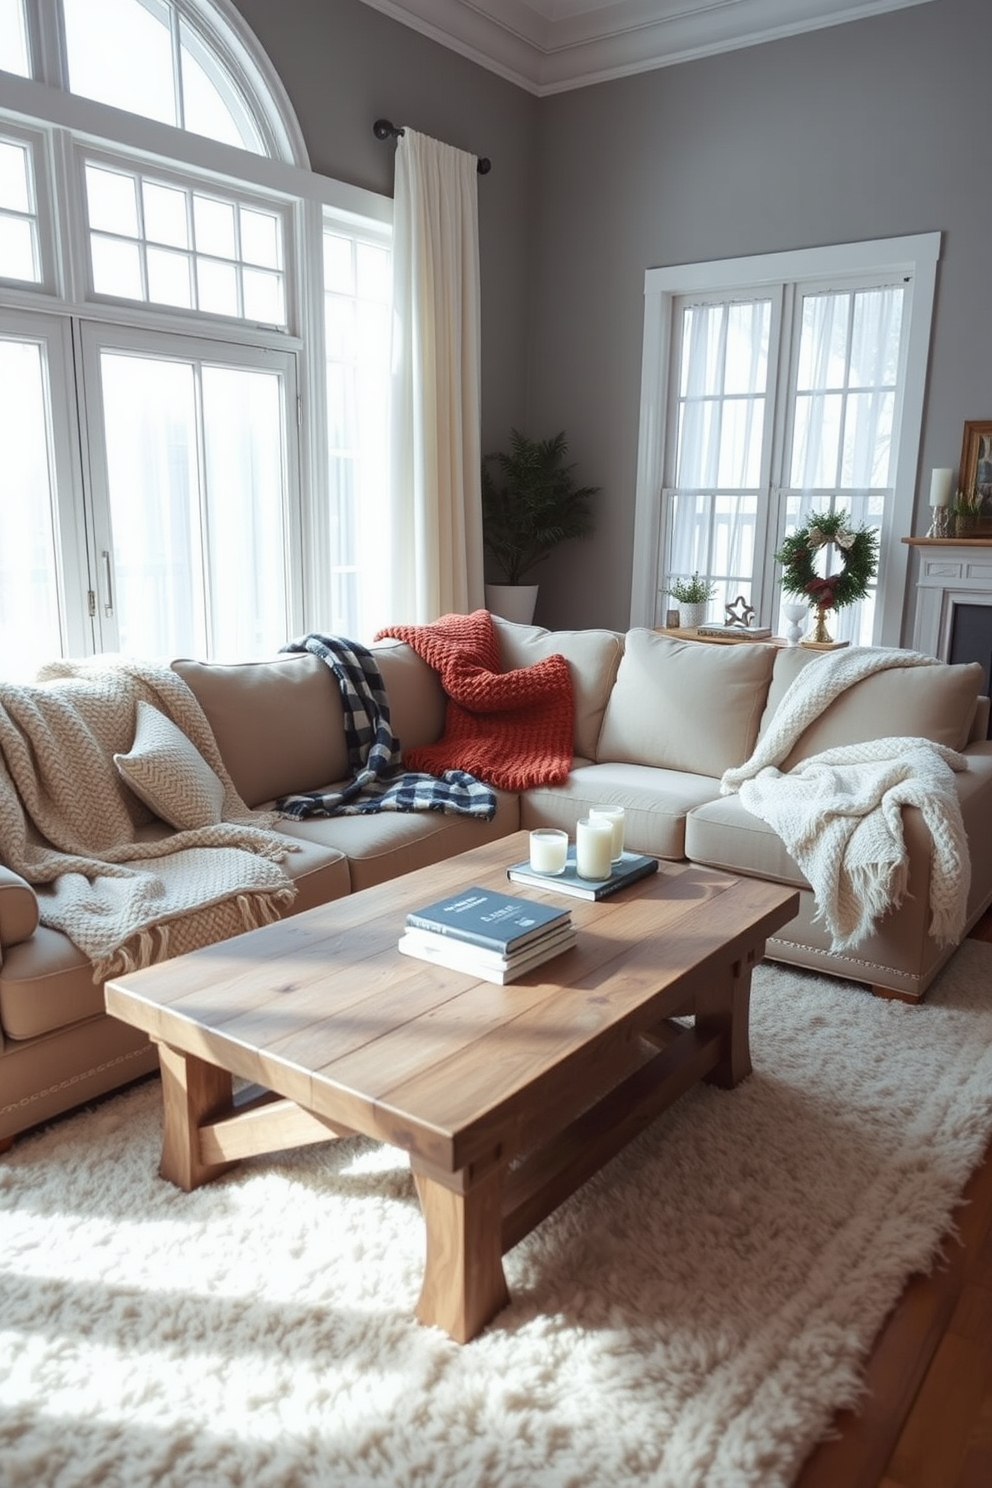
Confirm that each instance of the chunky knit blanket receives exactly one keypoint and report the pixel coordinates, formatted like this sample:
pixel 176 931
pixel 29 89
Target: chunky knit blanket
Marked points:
pixel 839 813
pixel 72 828
pixel 513 729
pixel 379 783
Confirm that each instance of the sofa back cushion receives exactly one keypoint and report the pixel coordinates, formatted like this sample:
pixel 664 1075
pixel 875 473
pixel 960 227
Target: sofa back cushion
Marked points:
pixel 926 702
pixel 278 724
pixel 593 658
pixel 413 692
pixel 685 705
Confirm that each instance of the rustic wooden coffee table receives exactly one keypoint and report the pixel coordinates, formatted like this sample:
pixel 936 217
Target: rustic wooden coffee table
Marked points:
pixel 552 1074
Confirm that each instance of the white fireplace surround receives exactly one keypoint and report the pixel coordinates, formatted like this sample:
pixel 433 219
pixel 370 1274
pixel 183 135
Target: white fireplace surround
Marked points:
pixel 949 574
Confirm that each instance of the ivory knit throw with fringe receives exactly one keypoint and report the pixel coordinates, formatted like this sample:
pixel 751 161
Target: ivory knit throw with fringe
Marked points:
pixel 839 813
pixel 512 729
pixel 72 828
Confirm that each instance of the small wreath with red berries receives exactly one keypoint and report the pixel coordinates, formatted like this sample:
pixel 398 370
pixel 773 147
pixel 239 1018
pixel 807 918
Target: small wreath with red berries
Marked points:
pixel 858 550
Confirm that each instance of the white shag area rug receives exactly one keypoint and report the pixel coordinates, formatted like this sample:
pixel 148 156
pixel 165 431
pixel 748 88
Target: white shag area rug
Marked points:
pixel 693 1316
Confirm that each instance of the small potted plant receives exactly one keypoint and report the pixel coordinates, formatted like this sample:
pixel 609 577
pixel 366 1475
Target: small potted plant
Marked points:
pixel 530 504
pixel 692 597
pixel 966 512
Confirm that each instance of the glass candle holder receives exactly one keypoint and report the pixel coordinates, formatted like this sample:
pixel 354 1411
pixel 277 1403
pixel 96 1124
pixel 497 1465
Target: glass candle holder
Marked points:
pixel 615 816
pixel 548 850
pixel 593 847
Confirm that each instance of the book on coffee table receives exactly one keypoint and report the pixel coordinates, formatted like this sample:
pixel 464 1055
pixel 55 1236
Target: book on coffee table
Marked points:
pixel 631 867
pixel 497 922
pixel 460 955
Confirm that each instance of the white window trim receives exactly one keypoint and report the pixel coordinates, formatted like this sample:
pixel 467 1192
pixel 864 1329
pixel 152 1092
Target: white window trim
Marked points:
pixel 916 256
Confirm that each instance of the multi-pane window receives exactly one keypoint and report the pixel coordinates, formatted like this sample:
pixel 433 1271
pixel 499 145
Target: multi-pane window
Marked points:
pixel 180 80
pixel 20 254
pixel 796 394
pixel 196 437
pixel 357 301
pixel 168 244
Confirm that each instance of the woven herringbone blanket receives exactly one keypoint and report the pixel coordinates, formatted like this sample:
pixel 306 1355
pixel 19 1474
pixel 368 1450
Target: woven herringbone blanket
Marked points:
pixel 513 729
pixel 70 826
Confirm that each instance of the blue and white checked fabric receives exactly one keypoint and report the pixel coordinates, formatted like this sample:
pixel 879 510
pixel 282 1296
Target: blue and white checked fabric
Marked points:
pixel 379 782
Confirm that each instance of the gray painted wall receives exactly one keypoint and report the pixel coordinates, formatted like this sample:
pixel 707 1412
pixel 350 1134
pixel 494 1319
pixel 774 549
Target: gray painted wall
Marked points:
pixel 865 130
pixel 870 129
pixel 345 65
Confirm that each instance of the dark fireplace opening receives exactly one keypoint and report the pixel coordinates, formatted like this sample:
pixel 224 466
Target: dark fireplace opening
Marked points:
pixel 971 640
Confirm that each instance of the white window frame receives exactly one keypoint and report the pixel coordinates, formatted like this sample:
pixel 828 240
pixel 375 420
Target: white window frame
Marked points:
pixel 66 127
pixel 915 258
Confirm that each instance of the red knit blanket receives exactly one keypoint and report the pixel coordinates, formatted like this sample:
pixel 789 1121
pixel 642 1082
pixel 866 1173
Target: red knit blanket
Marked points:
pixel 512 729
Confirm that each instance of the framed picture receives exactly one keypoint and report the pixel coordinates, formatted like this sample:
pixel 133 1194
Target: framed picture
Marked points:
pixel 975 473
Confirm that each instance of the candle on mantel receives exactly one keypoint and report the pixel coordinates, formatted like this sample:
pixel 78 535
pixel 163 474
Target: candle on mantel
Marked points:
pixel 940 487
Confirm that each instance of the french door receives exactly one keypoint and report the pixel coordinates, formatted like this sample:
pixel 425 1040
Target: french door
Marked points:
pixel 772 388
pixel 165 526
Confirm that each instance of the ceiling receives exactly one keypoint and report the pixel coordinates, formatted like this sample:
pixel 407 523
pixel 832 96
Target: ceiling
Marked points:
pixel 548 46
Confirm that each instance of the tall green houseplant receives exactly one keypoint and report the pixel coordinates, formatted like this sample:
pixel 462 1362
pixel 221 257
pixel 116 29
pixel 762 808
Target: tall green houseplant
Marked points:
pixel 530 504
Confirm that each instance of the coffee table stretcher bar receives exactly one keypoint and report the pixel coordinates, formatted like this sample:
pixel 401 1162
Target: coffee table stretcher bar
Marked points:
pixel 475 1206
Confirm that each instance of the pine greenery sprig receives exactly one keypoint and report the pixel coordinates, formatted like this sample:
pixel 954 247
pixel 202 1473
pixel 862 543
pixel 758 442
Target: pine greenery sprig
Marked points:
pixel 859 561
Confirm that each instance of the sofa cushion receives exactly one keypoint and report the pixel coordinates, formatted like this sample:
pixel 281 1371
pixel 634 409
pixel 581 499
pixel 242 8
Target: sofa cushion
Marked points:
pixel 685 705
pixel 928 702
pixel 656 803
pixel 168 773
pixel 413 692
pixel 593 657
pixel 278 724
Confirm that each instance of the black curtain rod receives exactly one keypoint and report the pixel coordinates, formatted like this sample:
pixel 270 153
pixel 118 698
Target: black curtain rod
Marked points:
pixel 383 130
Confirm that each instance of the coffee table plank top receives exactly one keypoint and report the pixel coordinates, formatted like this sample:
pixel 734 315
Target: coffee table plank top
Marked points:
pixel 322 1008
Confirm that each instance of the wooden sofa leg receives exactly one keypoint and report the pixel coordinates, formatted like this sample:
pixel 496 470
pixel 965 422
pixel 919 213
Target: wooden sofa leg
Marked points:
pixel 893 995
pixel 5 1144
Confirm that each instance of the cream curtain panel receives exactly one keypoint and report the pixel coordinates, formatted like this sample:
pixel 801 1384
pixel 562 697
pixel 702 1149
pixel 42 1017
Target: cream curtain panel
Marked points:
pixel 435 541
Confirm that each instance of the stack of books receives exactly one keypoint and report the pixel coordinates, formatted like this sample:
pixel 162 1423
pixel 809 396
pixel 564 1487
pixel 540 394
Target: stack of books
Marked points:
pixel 496 937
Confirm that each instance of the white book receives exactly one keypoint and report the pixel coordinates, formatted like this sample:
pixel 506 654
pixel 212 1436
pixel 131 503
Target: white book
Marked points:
pixel 457 956
pixel 471 954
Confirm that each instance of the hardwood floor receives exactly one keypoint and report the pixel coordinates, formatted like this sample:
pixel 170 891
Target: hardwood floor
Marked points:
pixel 927 1418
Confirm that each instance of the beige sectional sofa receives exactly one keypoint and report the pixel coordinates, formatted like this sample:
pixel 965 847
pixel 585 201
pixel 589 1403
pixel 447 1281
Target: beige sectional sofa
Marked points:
pixel 657 722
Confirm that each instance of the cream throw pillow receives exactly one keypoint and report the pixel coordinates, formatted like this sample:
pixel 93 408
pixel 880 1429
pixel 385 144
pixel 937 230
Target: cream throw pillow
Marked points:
pixel 169 774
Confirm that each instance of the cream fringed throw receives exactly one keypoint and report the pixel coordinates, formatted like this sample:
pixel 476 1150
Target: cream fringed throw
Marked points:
pixel 839 813
pixel 70 826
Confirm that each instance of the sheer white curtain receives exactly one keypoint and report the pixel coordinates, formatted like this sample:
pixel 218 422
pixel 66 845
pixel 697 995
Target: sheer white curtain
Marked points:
pixel 435 541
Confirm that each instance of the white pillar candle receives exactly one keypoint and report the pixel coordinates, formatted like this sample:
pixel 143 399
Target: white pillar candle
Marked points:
pixel 614 815
pixel 593 847
pixel 548 850
pixel 940 487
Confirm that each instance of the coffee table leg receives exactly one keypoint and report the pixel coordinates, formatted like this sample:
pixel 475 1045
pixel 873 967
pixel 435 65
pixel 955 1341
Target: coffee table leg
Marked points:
pixel 192 1092
pixel 723 1009
pixel 464 1285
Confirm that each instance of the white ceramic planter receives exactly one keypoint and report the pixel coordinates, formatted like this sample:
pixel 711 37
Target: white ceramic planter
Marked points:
pixel 691 615
pixel 512 601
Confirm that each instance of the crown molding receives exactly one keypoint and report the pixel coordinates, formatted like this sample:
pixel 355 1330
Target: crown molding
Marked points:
pixel 550 46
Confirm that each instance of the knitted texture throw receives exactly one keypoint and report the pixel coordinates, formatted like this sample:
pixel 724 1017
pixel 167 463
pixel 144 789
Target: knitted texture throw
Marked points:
pixel 378 783
pixel 513 729
pixel 839 813
pixel 70 826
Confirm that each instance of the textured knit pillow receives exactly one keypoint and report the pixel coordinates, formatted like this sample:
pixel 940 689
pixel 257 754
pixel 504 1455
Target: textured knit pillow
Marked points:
pixel 169 774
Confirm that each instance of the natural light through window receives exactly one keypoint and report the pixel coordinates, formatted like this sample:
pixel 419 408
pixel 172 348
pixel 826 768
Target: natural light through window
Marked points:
pixel 13 38
pixel 19 252
pixel 170 245
pixel 179 82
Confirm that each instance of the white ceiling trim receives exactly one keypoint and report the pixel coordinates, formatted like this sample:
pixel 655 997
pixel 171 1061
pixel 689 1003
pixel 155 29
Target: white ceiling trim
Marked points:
pixel 549 46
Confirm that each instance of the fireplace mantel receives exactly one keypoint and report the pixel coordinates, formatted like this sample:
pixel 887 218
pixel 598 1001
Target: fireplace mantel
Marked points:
pixel 952 572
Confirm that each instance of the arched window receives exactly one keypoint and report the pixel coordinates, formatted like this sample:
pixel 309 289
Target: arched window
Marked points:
pixel 177 293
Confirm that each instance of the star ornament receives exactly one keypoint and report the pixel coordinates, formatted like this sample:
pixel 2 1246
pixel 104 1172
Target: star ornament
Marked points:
pixel 740 613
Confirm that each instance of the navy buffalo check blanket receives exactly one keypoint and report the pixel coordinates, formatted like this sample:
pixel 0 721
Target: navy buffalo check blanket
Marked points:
pixel 379 782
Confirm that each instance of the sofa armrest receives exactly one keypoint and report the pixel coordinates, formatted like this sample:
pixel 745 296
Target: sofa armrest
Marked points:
pixel 18 908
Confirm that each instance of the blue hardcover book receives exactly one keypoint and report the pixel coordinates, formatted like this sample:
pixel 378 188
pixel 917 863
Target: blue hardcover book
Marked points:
pixel 500 922
pixel 628 870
